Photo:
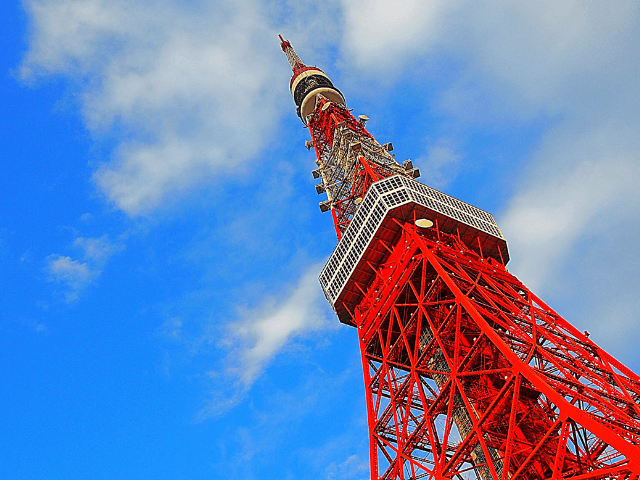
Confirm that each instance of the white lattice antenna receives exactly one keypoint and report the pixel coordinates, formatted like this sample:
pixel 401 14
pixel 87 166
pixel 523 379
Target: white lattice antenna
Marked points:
pixel 292 57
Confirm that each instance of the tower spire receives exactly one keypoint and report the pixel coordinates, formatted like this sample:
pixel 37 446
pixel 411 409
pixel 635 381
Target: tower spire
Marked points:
pixel 307 83
pixel 292 57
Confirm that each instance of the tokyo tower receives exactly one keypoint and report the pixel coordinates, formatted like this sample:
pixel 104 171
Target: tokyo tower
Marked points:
pixel 467 373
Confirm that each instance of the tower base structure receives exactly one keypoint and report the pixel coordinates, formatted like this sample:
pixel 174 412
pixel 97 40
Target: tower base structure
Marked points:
pixel 467 373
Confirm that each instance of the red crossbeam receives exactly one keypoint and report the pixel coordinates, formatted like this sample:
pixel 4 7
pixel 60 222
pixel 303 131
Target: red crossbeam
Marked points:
pixel 467 371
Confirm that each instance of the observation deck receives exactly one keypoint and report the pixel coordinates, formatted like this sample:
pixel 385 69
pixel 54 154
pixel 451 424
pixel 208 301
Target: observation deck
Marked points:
pixel 400 198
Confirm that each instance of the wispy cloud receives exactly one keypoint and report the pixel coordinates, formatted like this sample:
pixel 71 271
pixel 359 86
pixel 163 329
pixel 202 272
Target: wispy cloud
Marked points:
pixel 188 88
pixel 440 164
pixel 598 193
pixel 353 467
pixel 254 340
pixel 573 231
pixel 528 53
pixel 264 332
pixel 76 274
pixel 97 250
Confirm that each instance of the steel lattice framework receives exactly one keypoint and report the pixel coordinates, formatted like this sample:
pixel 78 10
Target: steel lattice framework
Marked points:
pixel 467 373
pixel 349 160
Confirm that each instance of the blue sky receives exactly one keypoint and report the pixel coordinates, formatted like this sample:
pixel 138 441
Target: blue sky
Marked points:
pixel 160 234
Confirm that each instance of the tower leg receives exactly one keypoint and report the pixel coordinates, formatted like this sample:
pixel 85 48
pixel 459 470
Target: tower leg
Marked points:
pixel 469 375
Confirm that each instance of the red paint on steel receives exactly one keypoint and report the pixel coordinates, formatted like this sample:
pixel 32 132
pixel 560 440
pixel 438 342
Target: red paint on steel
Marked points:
pixel 448 338
pixel 284 44
pixel 322 126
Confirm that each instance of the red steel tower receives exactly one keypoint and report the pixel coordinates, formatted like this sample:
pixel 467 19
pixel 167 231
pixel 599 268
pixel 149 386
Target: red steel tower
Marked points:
pixel 467 373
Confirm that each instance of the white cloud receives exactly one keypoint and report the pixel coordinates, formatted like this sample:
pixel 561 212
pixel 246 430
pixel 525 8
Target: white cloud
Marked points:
pixel 380 34
pixel 75 275
pixel 535 54
pixel 572 231
pixel 189 88
pixel 352 467
pixel 171 329
pixel 593 190
pixel 266 331
pixel 97 250
pixel 440 164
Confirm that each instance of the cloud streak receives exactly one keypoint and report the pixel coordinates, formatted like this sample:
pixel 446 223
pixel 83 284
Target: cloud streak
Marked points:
pixel 594 192
pixel 187 88
pixel 77 274
pixel 255 339
pixel 440 164
pixel 73 274
pixel 527 53
pixel 267 330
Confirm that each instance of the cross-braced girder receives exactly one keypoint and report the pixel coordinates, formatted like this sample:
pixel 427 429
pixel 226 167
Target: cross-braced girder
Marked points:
pixel 471 375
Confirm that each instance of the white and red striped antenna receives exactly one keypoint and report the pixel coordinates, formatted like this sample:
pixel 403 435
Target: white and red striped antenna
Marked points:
pixel 292 57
